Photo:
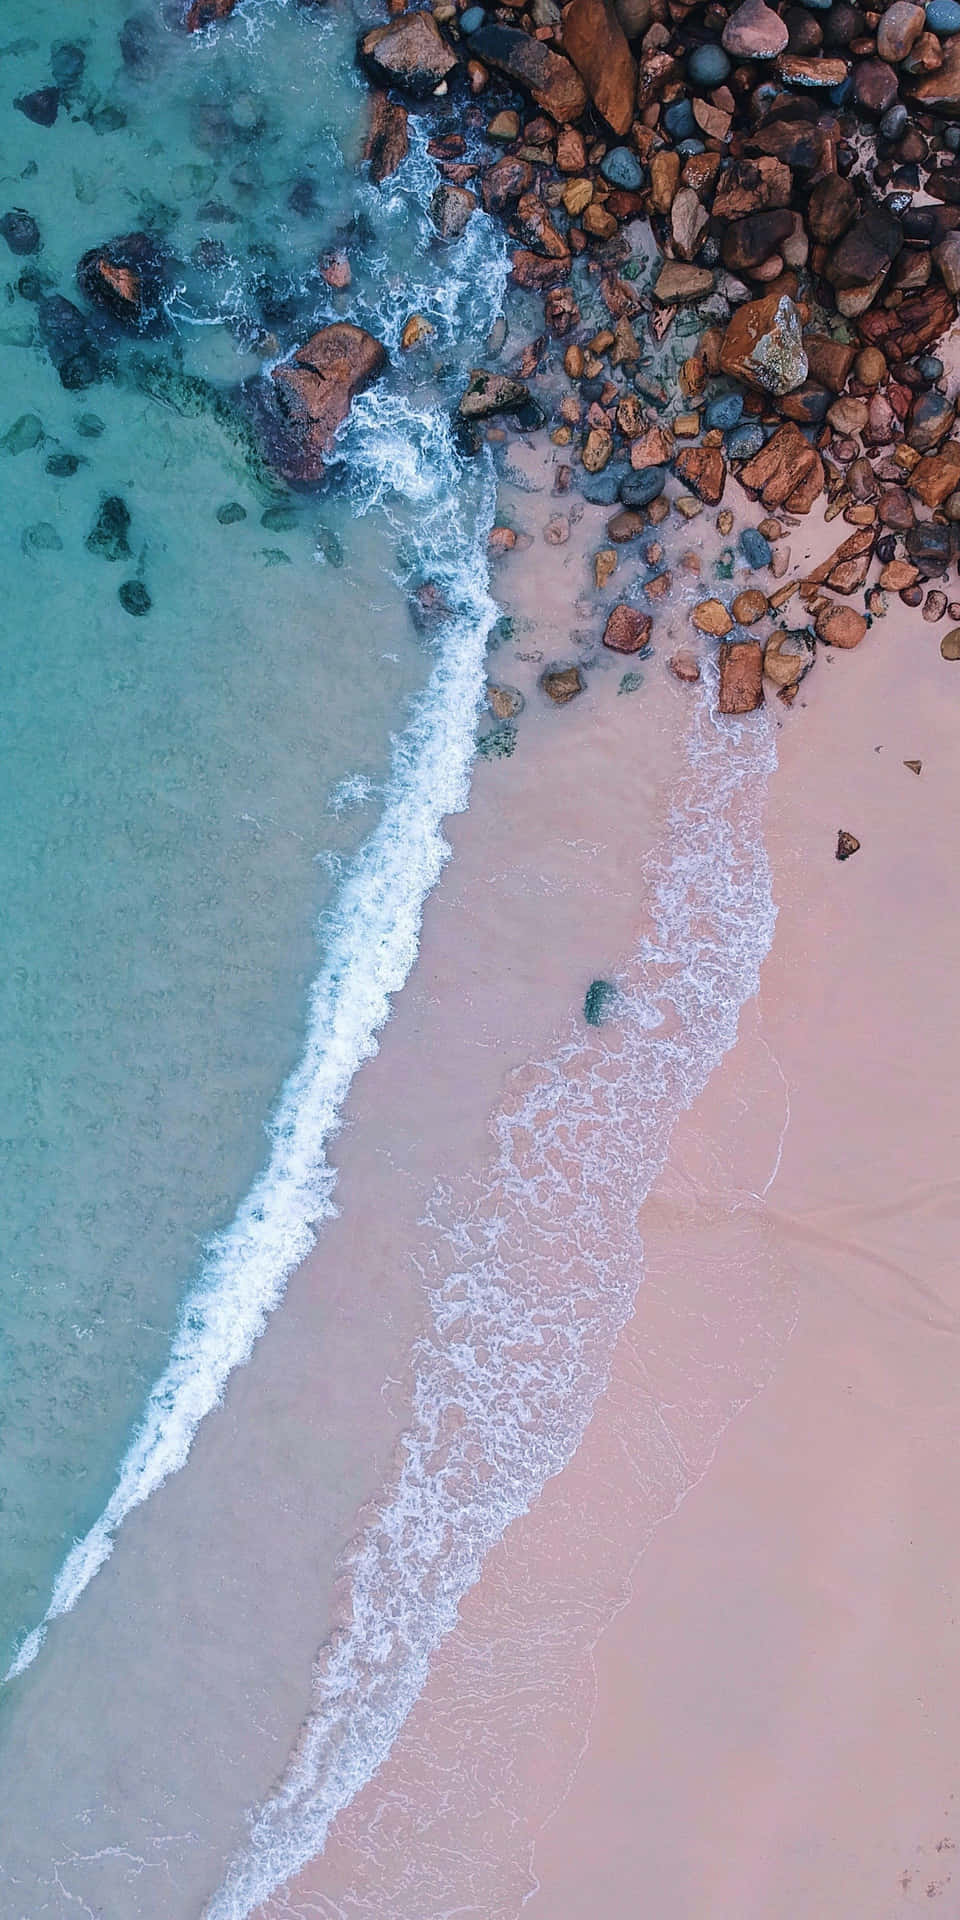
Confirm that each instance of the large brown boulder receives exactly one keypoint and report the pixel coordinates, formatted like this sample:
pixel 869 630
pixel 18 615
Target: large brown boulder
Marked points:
pixel 205 13
pixel 409 52
pixel 315 390
pixel 597 45
pixel 550 80
pixel 387 140
pixel 741 676
pixel 763 346
pixel 940 91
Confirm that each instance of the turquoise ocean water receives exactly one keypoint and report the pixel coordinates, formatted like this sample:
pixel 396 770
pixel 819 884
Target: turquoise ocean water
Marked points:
pixel 184 791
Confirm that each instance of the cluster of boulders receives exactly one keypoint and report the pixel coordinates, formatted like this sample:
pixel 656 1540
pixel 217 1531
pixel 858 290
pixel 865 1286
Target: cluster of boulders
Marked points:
pixel 798 165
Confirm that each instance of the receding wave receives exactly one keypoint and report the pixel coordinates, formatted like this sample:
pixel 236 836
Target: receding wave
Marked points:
pixel 540 1277
pixel 402 459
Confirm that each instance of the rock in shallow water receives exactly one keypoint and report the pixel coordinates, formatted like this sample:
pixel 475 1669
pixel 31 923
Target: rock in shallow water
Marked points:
pixel 20 231
pixel 108 535
pixel 316 389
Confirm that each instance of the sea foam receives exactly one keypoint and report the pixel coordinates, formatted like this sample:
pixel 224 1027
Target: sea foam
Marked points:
pixel 401 458
pixel 540 1273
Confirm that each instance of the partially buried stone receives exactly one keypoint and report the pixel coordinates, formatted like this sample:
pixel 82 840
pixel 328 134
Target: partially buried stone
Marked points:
pixel 230 513
pixel 950 644
pixel 40 538
pixel 134 598
pixel 847 844
pixel 20 231
pixel 561 684
pixel 600 999
pixel 62 466
pixel 108 535
pixel 25 434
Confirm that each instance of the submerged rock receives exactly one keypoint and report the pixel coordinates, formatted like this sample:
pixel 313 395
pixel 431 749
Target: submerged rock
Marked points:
pixel 741 676
pixel 108 535
pixel 20 231
pixel 41 107
pixel 134 598
pixel 599 1002
pixel 206 13
pixel 68 339
pixel 25 434
pixel 126 278
pixel 317 387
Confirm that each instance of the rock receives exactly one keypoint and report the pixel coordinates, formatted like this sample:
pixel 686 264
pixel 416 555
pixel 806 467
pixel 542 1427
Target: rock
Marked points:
pixel 900 332
pixel 930 419
pixel 538 230
pixel 596 43
pixel 317 387
pixel 20 231
pixel 867 251
pixel 450 208
pixel 68 340
pixel 537 270
pixel 741 676
pixel 840 626
pixel 25 434
pixel 490 393
pixel 604 567
pixel 125 277
pixel 943 17
pixel 829 360
pixel 749 607
pixel 704 471
pixel 134 598
pixel 597 448
pixel 915 766
pixel 898 574
pixel 894 509
pixel 870 367
pixel 677 283
pixel 207 13
pixel 755 547
pixel 505 703
pixel 711 616
pixel 940 91
pixel 627 629
pixel 787 472
pixel 899 27
pixel 751 186
pixel 599 1002
pixel 387 139
pixel 797 71
pixel 875 86
pixel 685 666
pixel 847 415
pixel 638 489
pixel 562 684
pixel 708 66
pixel 747 243
pixel 408 53
pixel 503 184
pixel 560 311
pixel 950 644
pixel 847 567
pixel 763 345
pixel 41 107
pixel 946 255
pixel 688 222
pixel 108 535
pixel 937 475
pixel 548 77
pixel 847 843
pixel 622 169
pixel 754 32
pixel 833 205
pixel 787 656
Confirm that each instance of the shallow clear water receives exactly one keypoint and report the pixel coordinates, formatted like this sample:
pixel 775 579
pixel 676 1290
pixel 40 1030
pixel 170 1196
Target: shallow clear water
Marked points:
pixel 182 791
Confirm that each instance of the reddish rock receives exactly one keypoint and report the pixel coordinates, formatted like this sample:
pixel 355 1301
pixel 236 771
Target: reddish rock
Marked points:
pixel 938 475
pixel 900 332
pixel 595 42
pixel 503 184
pixel 797 71
pixel 627 629
pixel 535 227
pixel 409 52
pixel 847 844
pixel 751 186
pixel 125 277
pixel 829 361
pixel 866 252
pixel 335 270
pixel 804 147
pixel 741 676
pixel 846 568
pixel 755 32
pixel 551 80
pixel 317 387
pixel 538 270
pixel 562 684
pixel 205 13
pixel 451 208
pixel 840 626
pixel 704 471
pixel 875 85
pixel 560 311
pixel 832 207
pixel 940 91
pixel 387 140
pixel 899 27
pixel 684 666
pixel 762 345
pixel 787 472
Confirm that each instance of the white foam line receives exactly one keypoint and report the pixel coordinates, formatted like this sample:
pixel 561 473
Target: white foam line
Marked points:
pixel 373 938
pixel 539 1275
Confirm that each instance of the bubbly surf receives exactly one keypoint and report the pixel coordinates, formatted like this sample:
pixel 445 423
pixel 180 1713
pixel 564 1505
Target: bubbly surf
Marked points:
pixel 540 1276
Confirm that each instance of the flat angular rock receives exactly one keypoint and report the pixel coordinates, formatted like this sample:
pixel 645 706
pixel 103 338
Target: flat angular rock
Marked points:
pixel 847 844
pixel 846 568
pixel 409 53
pixel 688 222
pixel 866 253
pixel 940 91
pixel 741 676
pixel 800 72
pixel 627 629
pixel 763 345
pixel 832 208
pixel 751 186
pixel 550 79
pixel 206 13
pixel 787 472
pixel 900 332
pixel 678 283
pixel 503 184
pixel 947 257
pixel 595 41
pixel 754 32
pixel 490 393
pixel 748 242
pixel 537 270
pixel 704 471
pixel 936 476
